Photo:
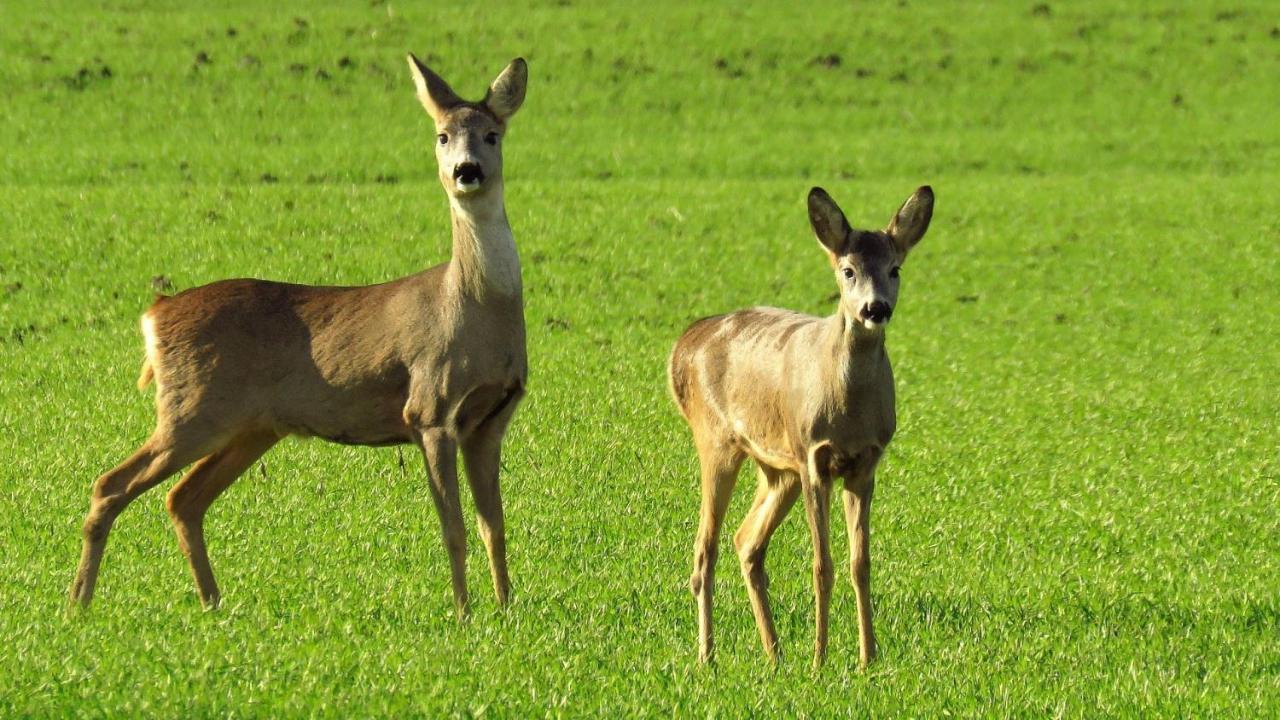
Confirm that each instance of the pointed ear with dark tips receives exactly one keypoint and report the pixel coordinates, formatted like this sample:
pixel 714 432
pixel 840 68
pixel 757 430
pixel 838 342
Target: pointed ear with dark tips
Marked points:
pixel 912 220
pixel 828 222
pixel 506 93
pixel 433 92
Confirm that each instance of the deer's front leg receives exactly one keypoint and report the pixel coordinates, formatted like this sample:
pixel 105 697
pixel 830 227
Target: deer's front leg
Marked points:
pixel 816 490
pixel 440 451
pixel 857 513
pixel 482 453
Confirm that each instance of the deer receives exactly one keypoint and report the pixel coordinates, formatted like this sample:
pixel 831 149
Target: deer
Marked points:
pixel 811 401
pixel 436 359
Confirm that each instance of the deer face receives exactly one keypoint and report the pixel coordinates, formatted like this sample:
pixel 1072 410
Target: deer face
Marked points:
pixel 468 139
pixel 867 273
pixel 469 150
pixel 866 262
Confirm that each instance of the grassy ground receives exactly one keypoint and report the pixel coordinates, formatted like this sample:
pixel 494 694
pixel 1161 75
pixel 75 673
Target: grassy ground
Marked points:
pixel 1077 518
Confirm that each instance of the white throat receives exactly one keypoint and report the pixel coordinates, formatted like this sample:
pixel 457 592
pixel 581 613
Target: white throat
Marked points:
pixel 484 248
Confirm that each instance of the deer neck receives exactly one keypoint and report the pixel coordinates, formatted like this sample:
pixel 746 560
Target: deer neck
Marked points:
pixel 485 261
pixel 857 355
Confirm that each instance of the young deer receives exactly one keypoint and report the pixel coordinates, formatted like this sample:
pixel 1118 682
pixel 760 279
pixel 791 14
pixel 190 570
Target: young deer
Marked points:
pixel 436 359
pixel 810 400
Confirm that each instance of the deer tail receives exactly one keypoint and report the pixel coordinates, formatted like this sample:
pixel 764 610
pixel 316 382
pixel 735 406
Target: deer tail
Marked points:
pixel 147 374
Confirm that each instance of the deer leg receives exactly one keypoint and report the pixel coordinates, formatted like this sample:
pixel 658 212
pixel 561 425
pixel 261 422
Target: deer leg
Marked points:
pixel 719 474
pixel 775 494
pixel 816 490
pixel 189 500
pixel 441 454
pixel 482 453
pixel 857 513
pixel 156 460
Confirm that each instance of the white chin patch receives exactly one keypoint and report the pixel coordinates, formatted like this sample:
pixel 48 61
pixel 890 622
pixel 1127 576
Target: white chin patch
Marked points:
pixel 468 186
pixel 870 324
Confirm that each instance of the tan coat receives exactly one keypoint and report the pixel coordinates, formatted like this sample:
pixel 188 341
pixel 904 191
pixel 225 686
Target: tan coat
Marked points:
pixel 436 359
pixel 811 400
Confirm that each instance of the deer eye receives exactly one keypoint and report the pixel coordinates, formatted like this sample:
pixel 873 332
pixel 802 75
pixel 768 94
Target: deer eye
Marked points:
pixel 491 138
pixel 443 138
pixel 848 273
pixel 894 272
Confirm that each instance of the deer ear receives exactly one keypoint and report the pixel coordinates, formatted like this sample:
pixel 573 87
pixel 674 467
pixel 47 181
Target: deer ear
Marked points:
pixel 506 93
pixel 912 220
pixel 828 222
pixel 433 92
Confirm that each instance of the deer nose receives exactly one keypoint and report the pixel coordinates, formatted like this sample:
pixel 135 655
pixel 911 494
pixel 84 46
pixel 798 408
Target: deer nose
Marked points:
pixel 877 311
pixel 468 173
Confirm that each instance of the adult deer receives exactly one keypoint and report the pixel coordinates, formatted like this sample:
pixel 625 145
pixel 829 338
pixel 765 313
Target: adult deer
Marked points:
pixel 811 401
pixel 436 359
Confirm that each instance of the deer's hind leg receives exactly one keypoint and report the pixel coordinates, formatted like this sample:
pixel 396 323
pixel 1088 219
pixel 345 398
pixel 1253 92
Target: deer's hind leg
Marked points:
pixel 189 500
pixel 719 463
pixel 776 493
pixel 163 454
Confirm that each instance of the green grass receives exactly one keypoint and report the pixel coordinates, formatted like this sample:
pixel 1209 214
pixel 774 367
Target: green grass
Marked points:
pixel 1077 518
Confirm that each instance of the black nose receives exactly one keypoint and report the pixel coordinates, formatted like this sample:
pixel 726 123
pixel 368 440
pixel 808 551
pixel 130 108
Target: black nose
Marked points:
pixel 468 172
pixel 877 312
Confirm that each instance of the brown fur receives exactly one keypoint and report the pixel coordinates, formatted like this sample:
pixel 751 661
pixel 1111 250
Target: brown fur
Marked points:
pixel 436 359
pixel 811 400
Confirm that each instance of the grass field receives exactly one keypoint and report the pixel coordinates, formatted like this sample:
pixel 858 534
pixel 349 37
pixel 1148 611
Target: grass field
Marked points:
pixel 1077 518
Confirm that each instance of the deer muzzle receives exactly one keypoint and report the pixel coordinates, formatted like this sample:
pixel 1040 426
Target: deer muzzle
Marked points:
pixel 468 176
pixel 875 314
